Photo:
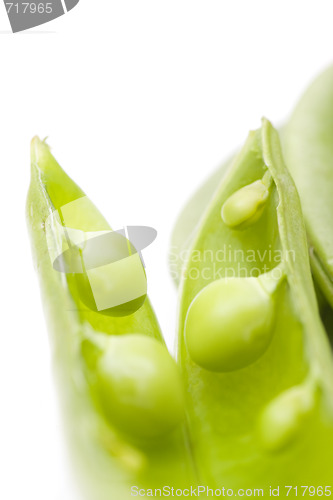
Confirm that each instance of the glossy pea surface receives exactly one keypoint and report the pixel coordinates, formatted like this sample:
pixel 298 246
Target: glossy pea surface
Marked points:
pixel 229 324
pixel 284 418
pixel 140 386
pixel 108 459
pixel 226 407
pixel 245 206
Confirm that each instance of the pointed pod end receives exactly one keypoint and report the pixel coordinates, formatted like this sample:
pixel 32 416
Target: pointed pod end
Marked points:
pixel 265 122
pixel 39 149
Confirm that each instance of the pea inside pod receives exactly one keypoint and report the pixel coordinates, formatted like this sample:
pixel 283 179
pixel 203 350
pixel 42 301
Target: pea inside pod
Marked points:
pixel 247 340
pixel 118 384
pixel 139 386
pixel 229 324
pixel 283 419
pixel 245 206
pixel 307 147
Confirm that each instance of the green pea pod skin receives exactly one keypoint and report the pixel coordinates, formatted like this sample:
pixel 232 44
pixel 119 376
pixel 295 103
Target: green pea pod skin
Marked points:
pixel 252 348
pixel 111 455
pixel 308 150
pixel 184 229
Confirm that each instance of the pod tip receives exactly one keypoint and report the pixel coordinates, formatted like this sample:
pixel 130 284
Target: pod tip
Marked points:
pixel 38 149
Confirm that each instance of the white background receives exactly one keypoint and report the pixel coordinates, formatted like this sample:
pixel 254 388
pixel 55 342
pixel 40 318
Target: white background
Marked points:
pixel 140 100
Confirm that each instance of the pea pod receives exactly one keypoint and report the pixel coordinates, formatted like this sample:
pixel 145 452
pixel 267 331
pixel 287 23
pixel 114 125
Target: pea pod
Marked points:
pixel 121 391
pixel 308 149
pixel 184 229
pixel 252 348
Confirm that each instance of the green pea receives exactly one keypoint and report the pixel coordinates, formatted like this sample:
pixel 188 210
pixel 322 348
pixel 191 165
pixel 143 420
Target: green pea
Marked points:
pixel 84 340
pixel 244 207
pixel 102 285
pixel 140 387
pixel 228 292
pixel 103 265
pixel 308 151
pixel 248 340
pixel 229 324
pixel 283 419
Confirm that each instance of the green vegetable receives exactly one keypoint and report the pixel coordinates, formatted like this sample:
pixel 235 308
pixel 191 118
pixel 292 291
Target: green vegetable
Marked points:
pixel 239 305
pixel 282 420
pixel 121 391
pixel 252 403
pixel 187 221
pixel 308 149
pixel 253 351
pixel 245 206
pixel 140 387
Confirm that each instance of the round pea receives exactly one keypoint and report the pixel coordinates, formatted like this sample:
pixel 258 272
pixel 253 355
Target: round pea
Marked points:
pixel 139 386
pixel 229 324
pixel 244 207
pixel 283 418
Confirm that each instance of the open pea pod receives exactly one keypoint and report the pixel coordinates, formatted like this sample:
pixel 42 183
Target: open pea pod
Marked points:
pixel 121 391
pixel 308 150
pixel 252 348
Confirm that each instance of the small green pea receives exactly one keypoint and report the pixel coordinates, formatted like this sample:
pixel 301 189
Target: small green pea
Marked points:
pixel 122 284
pixel 283 418
pixel 139 386
pixel 229 324
pixel 244 207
